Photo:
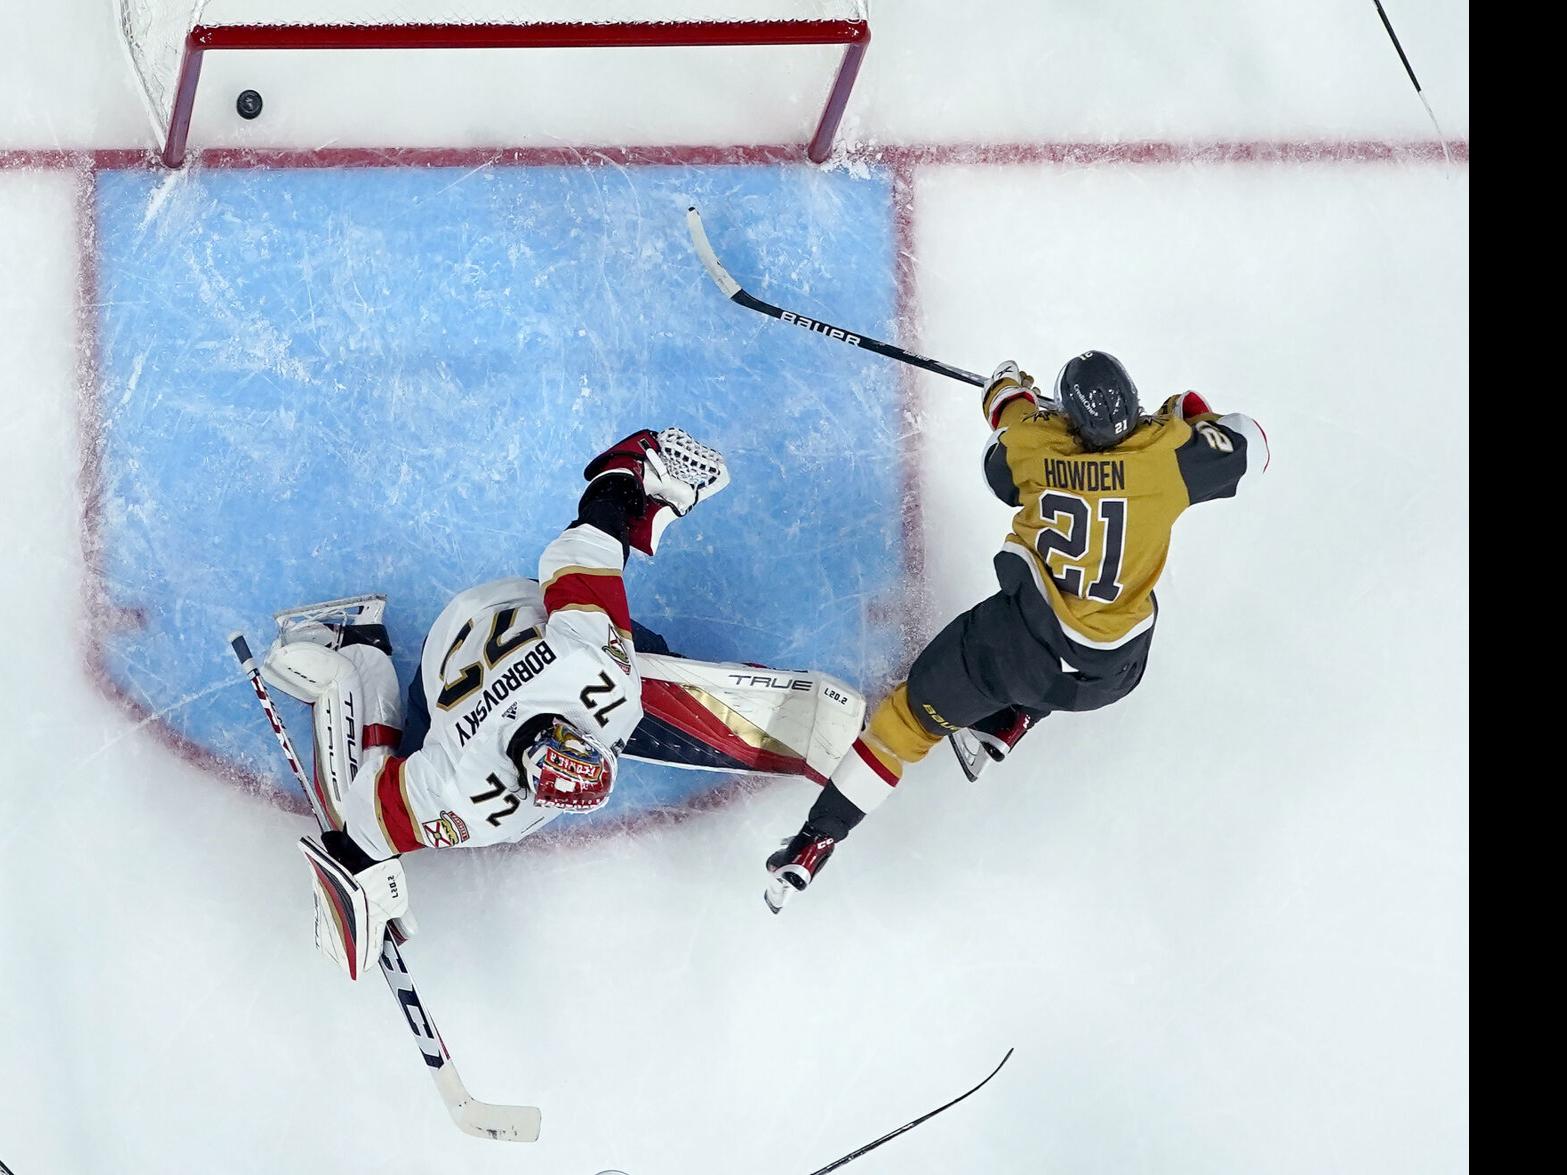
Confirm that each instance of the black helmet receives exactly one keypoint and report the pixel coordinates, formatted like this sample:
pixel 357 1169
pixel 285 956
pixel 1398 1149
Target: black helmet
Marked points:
pixel 1099 399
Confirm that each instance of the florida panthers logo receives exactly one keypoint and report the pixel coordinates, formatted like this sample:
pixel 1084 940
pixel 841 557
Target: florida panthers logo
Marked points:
pixel 616 648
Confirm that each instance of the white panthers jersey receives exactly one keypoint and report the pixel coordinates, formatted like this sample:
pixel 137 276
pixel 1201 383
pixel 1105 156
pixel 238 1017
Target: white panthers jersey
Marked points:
pixel 498 655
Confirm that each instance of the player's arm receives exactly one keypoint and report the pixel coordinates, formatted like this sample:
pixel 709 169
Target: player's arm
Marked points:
pixel 1221 451
pixel 636 487
pixel 1008 398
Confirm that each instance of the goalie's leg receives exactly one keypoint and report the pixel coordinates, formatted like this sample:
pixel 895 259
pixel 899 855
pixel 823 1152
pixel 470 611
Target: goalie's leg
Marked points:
pixel 343 671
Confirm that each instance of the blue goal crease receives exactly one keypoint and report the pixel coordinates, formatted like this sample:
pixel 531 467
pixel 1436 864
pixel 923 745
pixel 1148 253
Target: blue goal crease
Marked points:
pixel 317 383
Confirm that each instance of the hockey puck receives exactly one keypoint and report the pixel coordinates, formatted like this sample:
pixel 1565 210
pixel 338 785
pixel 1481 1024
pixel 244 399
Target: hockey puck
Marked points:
pixel 248 104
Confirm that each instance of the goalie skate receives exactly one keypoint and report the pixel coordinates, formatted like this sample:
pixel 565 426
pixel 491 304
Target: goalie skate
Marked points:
pixel 350 610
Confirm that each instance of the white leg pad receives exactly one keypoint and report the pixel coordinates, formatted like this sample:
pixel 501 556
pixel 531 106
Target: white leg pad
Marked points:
pixel 302 669
pixel 362 691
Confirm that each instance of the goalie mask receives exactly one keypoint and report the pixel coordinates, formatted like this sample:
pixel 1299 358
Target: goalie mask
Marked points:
pixel 563 768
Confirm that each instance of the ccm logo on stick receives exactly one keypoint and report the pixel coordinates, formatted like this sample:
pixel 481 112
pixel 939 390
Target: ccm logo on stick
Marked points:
pixel 819 327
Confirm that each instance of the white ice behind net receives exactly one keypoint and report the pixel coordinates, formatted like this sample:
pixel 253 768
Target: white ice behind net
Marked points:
pixel 155 30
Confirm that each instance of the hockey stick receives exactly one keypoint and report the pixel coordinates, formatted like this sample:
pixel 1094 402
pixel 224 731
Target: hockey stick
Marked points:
pixel 480 1119
pixel 870 1146
pixel 732 290
pixel 1410 70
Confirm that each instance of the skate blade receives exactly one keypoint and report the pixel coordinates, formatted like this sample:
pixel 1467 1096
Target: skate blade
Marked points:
pixel 366 609
pixel 971 756
pixel 776 895
pixel 790 879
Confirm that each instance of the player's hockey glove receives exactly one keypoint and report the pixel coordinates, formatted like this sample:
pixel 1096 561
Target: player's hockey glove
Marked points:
pixel 672 470
pixel 1007 383
pixel 1186 405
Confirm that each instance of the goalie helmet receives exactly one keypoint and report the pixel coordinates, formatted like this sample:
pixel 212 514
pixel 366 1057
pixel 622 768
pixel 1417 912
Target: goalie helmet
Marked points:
pixel 561 766
pixel 1099 399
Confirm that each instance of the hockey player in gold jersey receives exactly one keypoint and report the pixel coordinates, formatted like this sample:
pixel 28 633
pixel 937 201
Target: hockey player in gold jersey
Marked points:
pixel 1097 486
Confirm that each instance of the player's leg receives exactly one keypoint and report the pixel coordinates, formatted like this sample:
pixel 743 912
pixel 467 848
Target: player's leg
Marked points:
pixel 983 662
pixel 343 671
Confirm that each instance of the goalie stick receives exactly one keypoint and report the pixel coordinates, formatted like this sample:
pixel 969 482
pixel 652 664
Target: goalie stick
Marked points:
pixel 733 291
pixel 480 1119
pixel 907 1126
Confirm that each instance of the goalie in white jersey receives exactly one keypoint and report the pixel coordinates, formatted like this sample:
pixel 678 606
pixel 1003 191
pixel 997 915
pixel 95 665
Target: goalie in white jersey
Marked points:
pixel 527 693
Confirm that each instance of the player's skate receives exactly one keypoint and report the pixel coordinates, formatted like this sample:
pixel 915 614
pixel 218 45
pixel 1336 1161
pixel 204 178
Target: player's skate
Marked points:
pixel 796 864
pixel 990 739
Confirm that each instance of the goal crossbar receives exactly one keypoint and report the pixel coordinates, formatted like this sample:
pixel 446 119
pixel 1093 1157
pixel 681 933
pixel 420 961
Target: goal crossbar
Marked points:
pixel 854 35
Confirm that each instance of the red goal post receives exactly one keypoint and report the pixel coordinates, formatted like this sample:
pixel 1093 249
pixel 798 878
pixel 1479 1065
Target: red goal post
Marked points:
pixel 174 109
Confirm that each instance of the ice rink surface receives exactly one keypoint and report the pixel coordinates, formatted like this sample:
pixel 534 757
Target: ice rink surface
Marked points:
pixel 1224 923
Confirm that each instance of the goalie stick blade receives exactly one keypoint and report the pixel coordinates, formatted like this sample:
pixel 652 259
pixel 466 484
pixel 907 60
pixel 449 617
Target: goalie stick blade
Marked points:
pixel 485 1119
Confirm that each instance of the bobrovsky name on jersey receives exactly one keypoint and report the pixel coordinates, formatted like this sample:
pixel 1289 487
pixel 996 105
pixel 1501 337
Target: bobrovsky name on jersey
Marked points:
pixel 526 667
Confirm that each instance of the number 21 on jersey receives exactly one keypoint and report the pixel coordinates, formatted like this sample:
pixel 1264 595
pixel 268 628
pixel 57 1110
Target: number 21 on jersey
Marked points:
pixel 1078 542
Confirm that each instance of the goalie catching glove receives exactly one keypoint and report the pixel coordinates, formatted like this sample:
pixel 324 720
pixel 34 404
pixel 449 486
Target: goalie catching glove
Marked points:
pixel 674 473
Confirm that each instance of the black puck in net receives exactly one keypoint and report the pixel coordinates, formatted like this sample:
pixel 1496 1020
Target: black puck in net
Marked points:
pixel 248 104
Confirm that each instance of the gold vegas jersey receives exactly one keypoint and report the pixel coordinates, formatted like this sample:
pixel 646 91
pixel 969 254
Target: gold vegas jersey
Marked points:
pixel 1094 528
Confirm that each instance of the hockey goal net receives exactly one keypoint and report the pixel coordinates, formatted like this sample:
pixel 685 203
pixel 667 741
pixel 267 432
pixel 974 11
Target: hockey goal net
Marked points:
pixel 169 41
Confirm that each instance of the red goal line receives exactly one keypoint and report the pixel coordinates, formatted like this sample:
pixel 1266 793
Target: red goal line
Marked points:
pixel 897 155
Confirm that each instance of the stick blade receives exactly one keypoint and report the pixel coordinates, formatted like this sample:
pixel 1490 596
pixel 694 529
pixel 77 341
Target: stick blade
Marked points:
pixel 485 1119
pixel 709 259
pixel 501 1123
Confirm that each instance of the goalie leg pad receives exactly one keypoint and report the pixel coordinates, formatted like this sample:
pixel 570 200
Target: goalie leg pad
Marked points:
pixel 359 711
pixel 352 909
pixel 726 716
pixel 355 706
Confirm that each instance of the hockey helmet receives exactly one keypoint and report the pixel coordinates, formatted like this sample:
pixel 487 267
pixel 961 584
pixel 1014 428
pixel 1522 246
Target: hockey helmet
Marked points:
pixel 1099 399
pixel 562 766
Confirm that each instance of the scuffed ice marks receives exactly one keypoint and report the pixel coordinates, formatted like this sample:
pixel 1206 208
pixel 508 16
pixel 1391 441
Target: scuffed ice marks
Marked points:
pixel 320 383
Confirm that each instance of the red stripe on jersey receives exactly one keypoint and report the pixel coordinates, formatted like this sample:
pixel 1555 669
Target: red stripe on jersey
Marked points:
pixel 868 757
pixel 395 818
pixel 376 735
pixel 606 592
